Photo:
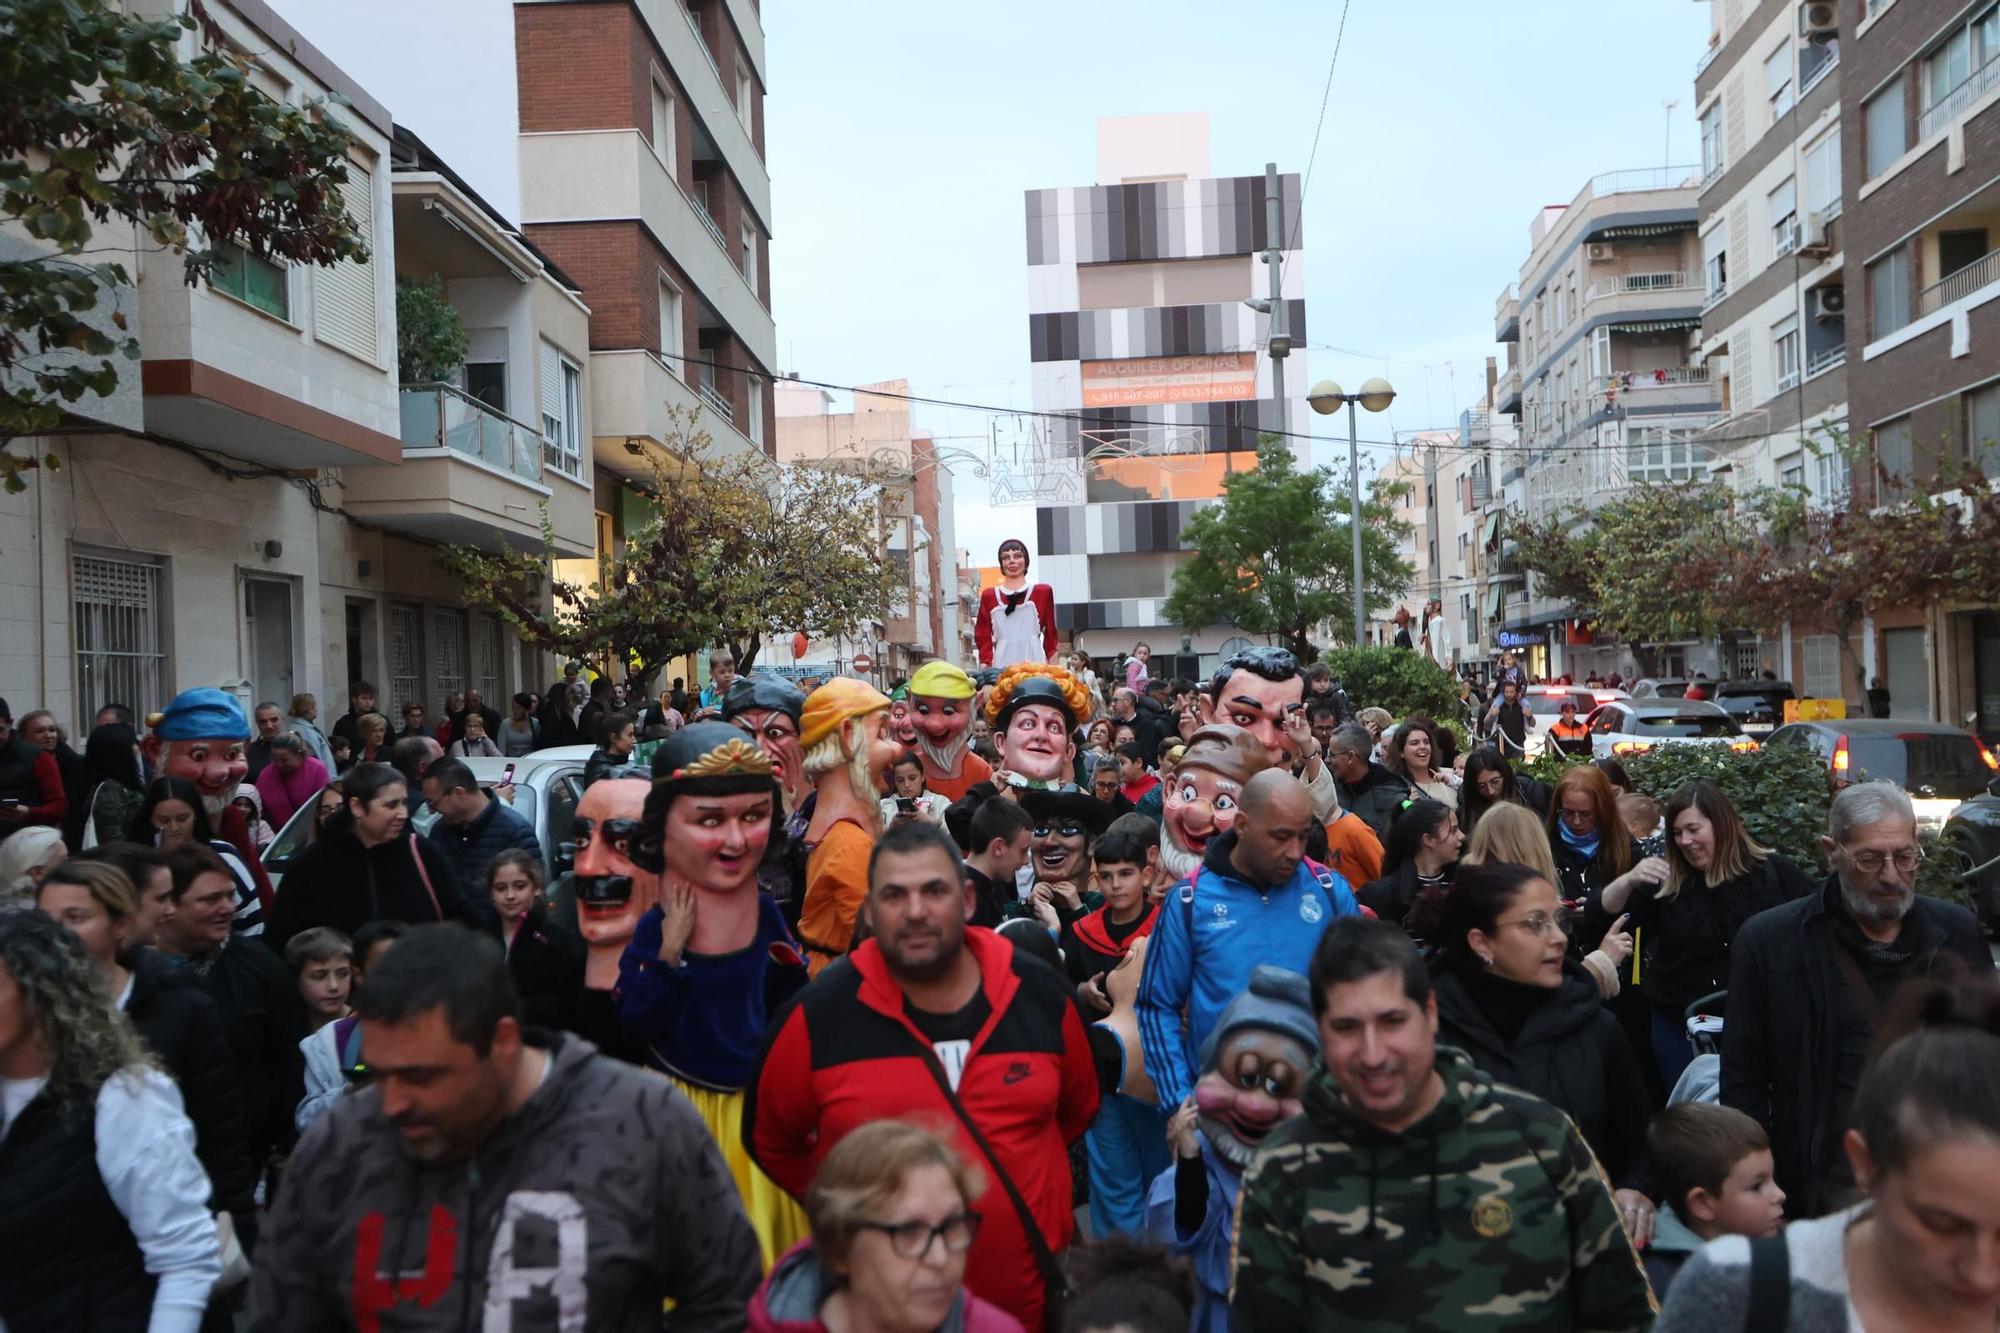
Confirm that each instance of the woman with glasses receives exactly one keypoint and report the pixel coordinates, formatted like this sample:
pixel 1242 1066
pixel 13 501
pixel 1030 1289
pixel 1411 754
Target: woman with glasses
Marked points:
pixel 1718 878
pixel 1510 996
pixel 892 1221
pixel 1489 780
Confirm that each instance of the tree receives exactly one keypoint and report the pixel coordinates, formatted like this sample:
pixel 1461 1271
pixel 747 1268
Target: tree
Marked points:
pixel 734 550
pixel 430 337
pixel 1274 557
pixel 100 118
pixel 1639 564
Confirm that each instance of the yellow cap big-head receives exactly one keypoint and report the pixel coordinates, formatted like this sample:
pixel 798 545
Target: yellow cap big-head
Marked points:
pixel 939 679
pixel 835 702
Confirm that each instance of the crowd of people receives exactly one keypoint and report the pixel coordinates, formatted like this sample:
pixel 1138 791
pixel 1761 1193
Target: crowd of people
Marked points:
pixel 1030 995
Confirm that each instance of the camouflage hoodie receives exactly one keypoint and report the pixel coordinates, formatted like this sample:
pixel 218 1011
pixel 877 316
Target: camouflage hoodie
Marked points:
pixel 1489 1213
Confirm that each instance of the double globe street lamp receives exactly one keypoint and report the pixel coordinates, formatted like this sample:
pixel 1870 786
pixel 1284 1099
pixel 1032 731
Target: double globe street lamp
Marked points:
pixel 1326 399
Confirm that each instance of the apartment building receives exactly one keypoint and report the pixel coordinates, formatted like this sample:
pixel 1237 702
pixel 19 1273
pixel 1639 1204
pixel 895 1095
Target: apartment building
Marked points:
pixel 877 440
pixel 1436 468
pixel 1138 328
pixel 1604 318
pixel 1921 87
pixel 206 526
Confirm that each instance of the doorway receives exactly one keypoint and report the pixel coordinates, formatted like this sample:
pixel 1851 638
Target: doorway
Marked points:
pixel 267 619
pixel 1903 671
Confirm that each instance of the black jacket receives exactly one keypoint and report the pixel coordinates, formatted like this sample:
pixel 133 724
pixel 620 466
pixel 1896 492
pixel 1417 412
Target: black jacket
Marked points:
pixel 1570 1052
pixel 337 882
pixel 1582 879
pixel 471 849
pixel 1781 1040
pixel 1392 896
pixel 547 963
pixel 603 764
pixel 1374 798
pixel 1687 937
pixel 264 1021
pixel 179 1024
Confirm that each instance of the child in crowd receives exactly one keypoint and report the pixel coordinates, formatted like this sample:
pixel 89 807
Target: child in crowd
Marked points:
pixel 912 800
pixel 1126 1145
pixel 1713 1166
pixel 333 1051
pixel 343 753
pixel 1640 814
pixel 1133 777
pixel 323 961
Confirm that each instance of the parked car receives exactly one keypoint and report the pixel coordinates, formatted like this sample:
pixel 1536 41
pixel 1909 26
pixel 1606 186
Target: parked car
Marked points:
pixel 1545 709
pixel 547 784
pixel 1972 837
pixel 1659 687
pixel 1757 705
pixel 1627 727
pixel 1938 764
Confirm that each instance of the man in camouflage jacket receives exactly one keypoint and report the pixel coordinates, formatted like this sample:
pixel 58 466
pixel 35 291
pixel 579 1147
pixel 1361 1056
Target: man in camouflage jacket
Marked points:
pixel 1414 1192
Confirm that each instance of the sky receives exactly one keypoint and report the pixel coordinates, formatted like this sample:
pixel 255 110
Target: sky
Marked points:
pixel 902 134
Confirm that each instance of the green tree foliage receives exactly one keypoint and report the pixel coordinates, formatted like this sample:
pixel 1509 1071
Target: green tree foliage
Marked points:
pixel 430 338
pixel 735 550
pixel 1406 683
pixel 1780 792
pixel 100 118
pixel 1274 557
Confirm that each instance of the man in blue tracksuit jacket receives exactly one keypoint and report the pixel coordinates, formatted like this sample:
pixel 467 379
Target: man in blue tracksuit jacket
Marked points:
pixel 1254 899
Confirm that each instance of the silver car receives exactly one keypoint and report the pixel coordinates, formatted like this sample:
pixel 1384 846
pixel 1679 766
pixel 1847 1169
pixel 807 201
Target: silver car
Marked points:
pixel 1626 727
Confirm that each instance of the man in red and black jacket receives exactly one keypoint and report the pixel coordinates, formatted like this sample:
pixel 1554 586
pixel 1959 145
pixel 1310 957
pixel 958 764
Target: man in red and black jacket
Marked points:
pixel 925 999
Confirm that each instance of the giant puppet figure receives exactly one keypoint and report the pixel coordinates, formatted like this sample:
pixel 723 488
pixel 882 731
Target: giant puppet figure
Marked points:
pixel 1199 805
pixel 200 738
pixel 767 709
pixel 848 754
pixel 1254 1068
pixel 711 961
pixel 1034 708
pixel 1017 622
pixel 1261 690
pixel 941 707
pixel 612 889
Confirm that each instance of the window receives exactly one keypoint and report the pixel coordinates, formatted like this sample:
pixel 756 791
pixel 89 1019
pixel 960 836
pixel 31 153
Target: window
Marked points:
pixel 663 124
pixel 344 293
pixel 1947 67
pixel 1821 654
pixel 118 632
pixel 562 412
pixel 1785 351
pixel 486 656
pixel 1829 482
pixel 1712 161
pixel 484 374
pixel 750 255
pixel 1982 429
pixel 258 282
pixel 1783 206
pixel 1792 471
pixel 671 325
pixel 1656 454
pixel 1888 129
pixel 1823 176
pixel 1895 459
pixel 745 93
pixel 1715 251
pixel 1126 286
pixel 448 650
pixel 755 389
pixel 406 656
pixel 1778 80
pixel 1889 291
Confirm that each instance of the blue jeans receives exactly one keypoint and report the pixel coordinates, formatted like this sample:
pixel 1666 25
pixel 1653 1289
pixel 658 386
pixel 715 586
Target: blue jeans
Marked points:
pixel 1671 1048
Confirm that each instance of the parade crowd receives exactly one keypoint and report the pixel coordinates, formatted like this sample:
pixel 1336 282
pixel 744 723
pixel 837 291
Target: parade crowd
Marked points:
pixel 1018 997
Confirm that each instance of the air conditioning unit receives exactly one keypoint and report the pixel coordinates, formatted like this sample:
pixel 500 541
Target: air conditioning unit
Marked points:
pixel 1820 21
pixel 1829 302
pixel 1814 240
pixel 1601 253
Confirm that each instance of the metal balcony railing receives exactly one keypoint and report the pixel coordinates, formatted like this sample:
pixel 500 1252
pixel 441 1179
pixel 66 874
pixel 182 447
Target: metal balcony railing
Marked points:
pixel 441 416
pixel 1638 178
pixel 1826 358
pixel 708 220
pixel 1976 85
pixel 1707 57
pixel 715 399
pixel 1979 273
pixel 1622 284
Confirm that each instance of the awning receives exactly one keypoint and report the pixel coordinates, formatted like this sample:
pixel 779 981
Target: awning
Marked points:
pixel 1499 597
pixel 1657 325
pixel 1492 528
pixel 1634 230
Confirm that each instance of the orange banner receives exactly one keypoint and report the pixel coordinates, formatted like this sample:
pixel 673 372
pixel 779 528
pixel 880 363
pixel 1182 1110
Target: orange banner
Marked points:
pixel 1140 381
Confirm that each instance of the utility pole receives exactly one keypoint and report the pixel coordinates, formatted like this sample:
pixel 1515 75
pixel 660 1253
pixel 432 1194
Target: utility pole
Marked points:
pixel 1354 525
pixel 1280 339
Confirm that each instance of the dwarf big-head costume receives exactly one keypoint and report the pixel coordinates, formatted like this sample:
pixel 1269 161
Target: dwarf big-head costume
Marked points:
pixel 1033 708
pixel 1200 803
pixel 612 888
pixel 941 707
pixel 1254 1063
pixel 200 738
pixel 848 755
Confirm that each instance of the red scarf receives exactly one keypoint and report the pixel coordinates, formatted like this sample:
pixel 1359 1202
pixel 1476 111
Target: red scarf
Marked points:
pixel 1090 930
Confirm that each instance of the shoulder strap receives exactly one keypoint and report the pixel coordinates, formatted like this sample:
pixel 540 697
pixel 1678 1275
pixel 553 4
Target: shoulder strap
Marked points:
pixel 424 873
pixel 1770 1284
pixel 1056 1286
pixel 1187 905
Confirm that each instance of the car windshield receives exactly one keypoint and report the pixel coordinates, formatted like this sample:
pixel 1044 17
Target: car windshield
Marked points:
pixel 1685 724
pixel 1550 704
pixel 1923 763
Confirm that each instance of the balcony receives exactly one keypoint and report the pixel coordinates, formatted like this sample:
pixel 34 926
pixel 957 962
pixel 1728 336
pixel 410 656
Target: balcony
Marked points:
pixel 1708 56
pixel 1979 273
pixel 469 475
pixel 1948 108
pixel 635 397
pixel 1507 394
pixel 1662 389
pixel 1478 428
pixel 717 403
pixel 1507 315
pixel 1826 358
pixel 1619 284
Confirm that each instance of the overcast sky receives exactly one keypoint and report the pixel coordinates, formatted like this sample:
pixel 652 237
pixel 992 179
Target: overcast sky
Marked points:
pixel 902 133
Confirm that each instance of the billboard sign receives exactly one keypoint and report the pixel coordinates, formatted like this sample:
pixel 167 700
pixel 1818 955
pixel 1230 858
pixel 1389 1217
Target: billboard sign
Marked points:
pixel 1147 380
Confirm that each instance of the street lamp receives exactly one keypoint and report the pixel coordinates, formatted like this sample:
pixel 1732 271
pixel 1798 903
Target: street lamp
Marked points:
pixel 1326 399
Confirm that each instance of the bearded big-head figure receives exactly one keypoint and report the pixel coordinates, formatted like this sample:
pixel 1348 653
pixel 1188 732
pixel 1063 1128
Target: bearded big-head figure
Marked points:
pixel 1199 805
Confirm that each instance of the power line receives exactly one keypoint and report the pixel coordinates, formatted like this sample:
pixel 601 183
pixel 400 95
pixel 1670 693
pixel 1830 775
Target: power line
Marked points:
pixel 1312 156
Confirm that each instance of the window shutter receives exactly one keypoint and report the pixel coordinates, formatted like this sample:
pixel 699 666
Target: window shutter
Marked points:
pixel 486 346
pixel 344 294
pixel 550 381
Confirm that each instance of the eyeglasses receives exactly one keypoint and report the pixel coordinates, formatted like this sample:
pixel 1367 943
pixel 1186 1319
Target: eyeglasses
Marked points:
pixel 1578 816
pixel 1067 829
pixel 1539 923
pixel 912 1240
pixel 620 833
pixel 1906 860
